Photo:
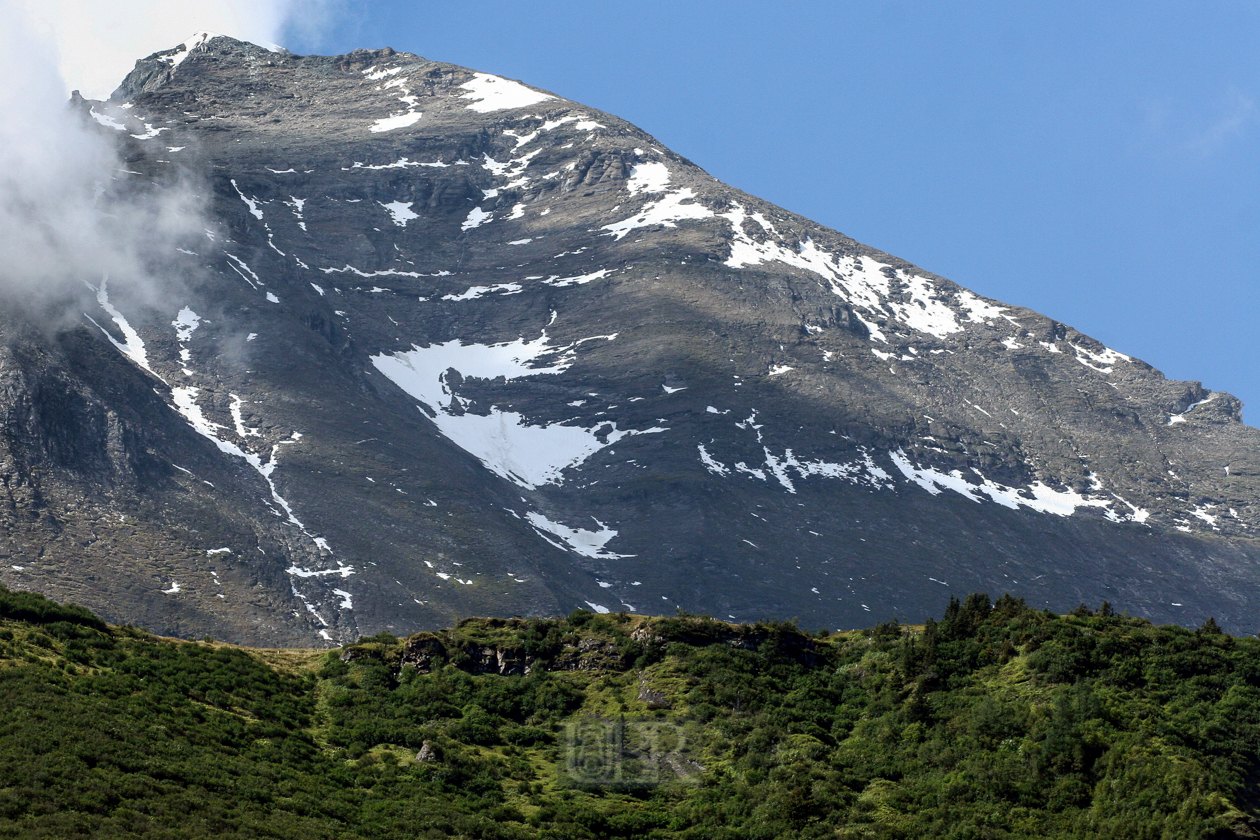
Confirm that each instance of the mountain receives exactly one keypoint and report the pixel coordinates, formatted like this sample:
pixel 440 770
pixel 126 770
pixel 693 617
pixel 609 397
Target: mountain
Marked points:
pixel 453 345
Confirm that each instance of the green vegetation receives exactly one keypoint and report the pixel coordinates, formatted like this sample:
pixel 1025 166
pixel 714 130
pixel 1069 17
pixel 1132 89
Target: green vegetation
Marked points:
pixel 998 721
pixel 36 609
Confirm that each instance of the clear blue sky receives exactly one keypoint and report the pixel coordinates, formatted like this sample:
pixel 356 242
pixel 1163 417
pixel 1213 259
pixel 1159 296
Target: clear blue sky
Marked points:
pixel 1094 161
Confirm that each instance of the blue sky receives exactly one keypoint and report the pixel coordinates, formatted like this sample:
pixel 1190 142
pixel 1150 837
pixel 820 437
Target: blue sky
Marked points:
pixel 1095 162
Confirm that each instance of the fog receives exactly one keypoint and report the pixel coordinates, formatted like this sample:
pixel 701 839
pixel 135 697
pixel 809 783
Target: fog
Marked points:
pixel 71 214
pixel 97 43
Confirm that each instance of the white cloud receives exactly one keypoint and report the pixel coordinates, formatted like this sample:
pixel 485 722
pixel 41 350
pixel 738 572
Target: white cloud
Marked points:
pixel 70 212
pixel 1236 117
pixel 98 42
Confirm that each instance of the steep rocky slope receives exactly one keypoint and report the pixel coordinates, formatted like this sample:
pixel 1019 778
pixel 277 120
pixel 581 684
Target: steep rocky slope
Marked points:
pixel 456 345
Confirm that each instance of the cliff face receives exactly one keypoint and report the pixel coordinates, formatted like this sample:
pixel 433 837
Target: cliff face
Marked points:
pixel 461 346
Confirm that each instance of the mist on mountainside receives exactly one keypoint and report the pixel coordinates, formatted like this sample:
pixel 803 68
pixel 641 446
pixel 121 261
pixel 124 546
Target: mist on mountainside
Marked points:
pixel 74 217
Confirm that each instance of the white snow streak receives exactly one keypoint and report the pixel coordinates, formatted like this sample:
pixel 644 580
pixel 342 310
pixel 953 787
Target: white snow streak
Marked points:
pixel 475 292
pixel 185 399
pixel 1037 496
pixel 1181 418
pixel 917 302
pixel 133 346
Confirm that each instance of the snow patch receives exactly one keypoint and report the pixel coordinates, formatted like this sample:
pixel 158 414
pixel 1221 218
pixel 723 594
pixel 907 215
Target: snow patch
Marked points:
pixel 711 464
pixel 401 163
pixel 388 272
pixel 488 93
pixel 586 543
pixel 242 268
pixel 401 212
pixel 185 323
pixel 666 211
pixel 375 74
pixel 342 571
pixel 106 120
pixel 402 119
pixel 579 280
pixel 180 53
pixel 476 218
pixel 1201 512
pixel 1136 514
pixel 251 203
pixel 1103 361
pixel 238 419
pixel 149 132
pixel 979 310
pixel 862 472
pixel 397 121
pixel 185 399
pixel 648 177
pixel 505 442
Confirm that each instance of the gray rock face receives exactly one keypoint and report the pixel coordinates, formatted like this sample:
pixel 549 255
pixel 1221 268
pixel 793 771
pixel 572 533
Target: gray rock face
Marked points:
pixel 460 346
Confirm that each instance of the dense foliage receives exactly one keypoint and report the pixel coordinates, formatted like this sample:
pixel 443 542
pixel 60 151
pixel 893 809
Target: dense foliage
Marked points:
pixel 998 721
pixel 28 606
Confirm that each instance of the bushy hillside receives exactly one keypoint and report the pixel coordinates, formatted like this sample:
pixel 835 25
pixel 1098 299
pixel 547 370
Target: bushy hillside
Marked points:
pixel 997 721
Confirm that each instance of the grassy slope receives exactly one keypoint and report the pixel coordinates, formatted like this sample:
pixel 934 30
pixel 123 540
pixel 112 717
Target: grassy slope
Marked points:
pixel 998 721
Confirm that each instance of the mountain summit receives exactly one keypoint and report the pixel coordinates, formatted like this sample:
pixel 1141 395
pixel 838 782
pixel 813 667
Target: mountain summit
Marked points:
pixel 455 345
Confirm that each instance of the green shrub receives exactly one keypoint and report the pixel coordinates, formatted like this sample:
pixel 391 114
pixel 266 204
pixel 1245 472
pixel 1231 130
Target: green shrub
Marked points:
pixel 36 609
pixel 996 721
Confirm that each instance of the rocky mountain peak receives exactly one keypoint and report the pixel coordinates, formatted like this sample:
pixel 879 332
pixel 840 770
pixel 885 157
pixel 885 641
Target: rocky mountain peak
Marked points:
pixel 458 345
